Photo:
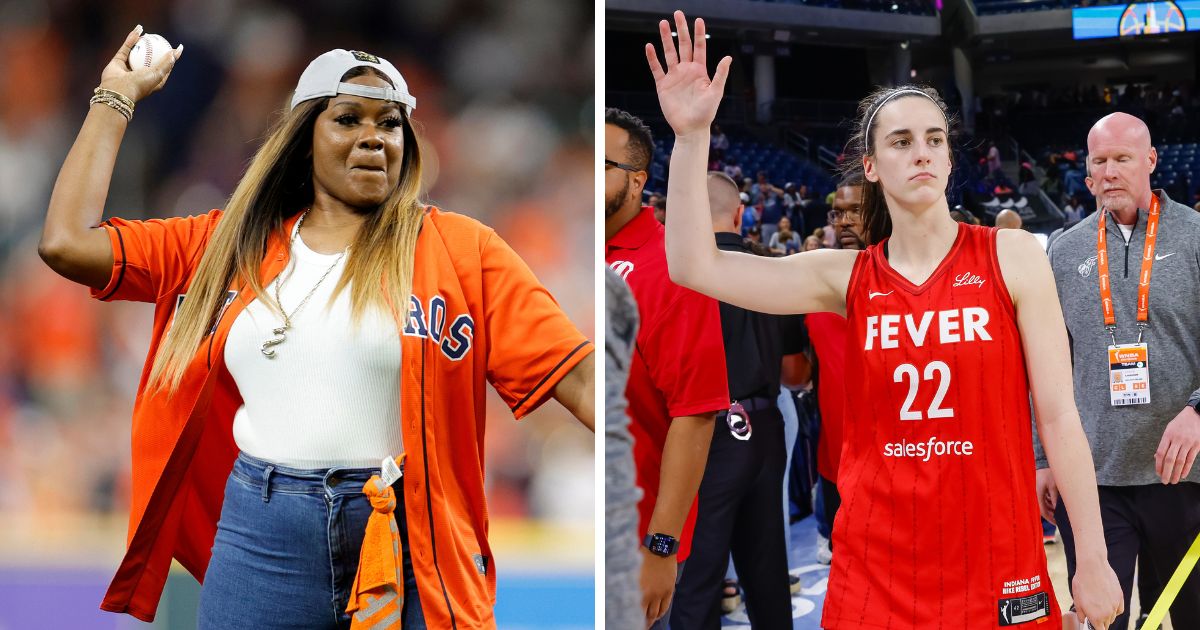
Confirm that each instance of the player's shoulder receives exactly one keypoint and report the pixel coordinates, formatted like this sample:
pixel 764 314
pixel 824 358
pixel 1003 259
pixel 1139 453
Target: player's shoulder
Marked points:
pixel 1018 242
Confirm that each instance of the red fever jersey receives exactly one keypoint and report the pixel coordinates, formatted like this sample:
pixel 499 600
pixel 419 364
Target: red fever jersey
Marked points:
pixel 939 526
pixel 678 364
pixel 827 333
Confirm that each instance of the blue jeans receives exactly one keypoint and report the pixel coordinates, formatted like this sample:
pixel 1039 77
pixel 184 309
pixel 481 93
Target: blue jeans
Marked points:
pixel 286 550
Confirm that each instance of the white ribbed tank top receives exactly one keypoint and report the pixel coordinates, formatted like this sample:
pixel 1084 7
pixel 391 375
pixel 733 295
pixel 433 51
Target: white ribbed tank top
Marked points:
pixel 331 395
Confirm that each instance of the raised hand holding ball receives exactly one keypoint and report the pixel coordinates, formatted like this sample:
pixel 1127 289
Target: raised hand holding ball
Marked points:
pixel 141 66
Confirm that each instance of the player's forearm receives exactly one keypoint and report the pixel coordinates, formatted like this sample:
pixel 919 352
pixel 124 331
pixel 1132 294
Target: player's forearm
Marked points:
pixel 577 391
pixel 691 249
pixel 77 202
pixel 1074 472
pixel 684 457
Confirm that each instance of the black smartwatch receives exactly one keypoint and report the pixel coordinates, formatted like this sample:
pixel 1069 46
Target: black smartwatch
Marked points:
pixel 661 544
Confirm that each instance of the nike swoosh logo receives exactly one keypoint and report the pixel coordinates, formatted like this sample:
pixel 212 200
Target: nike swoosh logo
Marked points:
pixel 872 295
pixel 1158 257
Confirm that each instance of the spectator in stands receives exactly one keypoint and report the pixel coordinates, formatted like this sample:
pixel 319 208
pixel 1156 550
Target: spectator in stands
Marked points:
pixel 1073 209
pixel 811 243
pixel 771 208
pixel 1196 207
pixel 754 235
pixel 1027 184
pixel 784 241
pixel 993 160
pixel 790 197
pixel 660 209
pixel 829 233
pixel 805 197
pixel 1008 219
pixel 733 170
pixel 720 142
pixel 749 215
pixel 654 199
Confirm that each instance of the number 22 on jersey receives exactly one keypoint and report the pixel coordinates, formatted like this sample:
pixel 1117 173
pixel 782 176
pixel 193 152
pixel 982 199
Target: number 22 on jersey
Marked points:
pixel 907 372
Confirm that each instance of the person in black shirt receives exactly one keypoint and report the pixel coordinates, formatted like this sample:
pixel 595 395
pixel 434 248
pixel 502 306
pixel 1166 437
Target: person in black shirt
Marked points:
pixel 740 508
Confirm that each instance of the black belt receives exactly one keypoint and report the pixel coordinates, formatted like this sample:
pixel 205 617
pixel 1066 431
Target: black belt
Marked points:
pixel 757 403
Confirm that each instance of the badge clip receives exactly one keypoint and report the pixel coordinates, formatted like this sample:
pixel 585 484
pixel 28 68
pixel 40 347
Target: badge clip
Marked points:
pixel 739 422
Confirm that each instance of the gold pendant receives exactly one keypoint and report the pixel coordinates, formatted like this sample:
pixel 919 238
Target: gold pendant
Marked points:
pixel 274 341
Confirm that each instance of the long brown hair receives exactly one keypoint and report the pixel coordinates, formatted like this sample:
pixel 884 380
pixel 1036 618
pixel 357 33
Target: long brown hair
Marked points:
pixel 276 185
pixel 876 221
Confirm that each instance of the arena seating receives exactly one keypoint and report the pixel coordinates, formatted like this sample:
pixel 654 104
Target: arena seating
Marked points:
pixel 780 165
pixel 908 7
pixel 995 7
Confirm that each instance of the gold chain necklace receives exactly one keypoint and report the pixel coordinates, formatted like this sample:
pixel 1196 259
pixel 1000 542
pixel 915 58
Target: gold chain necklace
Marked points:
pixel 280 332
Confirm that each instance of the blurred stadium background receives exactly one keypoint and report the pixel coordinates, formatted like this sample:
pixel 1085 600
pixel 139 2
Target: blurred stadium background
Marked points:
pixel 506 102
pixel 1028 77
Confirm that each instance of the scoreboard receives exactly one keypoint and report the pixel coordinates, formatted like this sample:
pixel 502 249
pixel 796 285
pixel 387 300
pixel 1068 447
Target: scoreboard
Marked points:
pixel 1132 20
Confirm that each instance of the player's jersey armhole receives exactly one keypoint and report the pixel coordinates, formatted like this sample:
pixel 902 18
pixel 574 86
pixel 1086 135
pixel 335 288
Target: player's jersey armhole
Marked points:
pixel 856 273
pixel 1001 287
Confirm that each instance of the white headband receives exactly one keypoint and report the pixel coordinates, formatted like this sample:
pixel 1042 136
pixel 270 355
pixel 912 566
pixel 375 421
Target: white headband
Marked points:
pixel 871 119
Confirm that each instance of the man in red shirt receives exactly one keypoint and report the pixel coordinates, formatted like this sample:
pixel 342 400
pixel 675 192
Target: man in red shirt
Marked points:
pixel 677 379
pixel 827 332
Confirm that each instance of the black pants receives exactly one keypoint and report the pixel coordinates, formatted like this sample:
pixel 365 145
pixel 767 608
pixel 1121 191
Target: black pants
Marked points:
pixel 740 512
pixel 1156 520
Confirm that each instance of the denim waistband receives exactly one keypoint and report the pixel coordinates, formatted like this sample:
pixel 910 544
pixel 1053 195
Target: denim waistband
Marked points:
pixel 271 477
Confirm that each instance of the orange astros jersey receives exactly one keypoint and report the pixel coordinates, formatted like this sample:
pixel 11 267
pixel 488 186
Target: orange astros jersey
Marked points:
pixel 476 315
pixel 939 527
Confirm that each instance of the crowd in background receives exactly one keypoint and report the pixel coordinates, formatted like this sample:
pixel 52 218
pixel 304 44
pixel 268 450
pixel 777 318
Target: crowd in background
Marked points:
pixel 505 116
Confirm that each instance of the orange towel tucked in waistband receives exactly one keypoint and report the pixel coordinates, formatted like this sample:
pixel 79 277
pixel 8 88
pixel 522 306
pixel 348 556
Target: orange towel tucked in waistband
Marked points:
pixel 377 597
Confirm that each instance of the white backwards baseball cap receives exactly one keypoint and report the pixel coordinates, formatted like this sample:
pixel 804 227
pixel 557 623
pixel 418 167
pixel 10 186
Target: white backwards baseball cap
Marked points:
pixel 323 77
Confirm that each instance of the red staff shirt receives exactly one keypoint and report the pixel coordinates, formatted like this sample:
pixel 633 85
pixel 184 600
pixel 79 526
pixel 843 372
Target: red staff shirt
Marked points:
pixel 827 333
pixel 939 522
pixel 678 366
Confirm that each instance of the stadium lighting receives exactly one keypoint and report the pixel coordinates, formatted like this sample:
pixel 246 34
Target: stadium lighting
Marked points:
pixel 895 7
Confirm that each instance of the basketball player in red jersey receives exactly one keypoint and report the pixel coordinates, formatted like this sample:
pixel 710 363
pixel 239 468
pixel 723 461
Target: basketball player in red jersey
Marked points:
pixel 939 525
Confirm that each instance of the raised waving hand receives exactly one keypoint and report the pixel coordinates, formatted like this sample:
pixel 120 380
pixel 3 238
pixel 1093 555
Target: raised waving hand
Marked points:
pixel 688 97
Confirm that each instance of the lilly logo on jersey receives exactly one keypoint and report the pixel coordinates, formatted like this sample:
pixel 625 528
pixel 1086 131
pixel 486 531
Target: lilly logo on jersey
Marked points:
pixel 966 279
pixel 454 340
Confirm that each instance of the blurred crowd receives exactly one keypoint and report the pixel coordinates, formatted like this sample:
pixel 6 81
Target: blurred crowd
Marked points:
pixel 505 112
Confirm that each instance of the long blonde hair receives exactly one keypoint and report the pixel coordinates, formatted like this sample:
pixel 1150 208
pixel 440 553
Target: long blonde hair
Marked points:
pixel 276 185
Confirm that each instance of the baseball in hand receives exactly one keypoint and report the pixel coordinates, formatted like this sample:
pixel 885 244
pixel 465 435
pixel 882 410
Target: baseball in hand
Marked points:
pixel 148 49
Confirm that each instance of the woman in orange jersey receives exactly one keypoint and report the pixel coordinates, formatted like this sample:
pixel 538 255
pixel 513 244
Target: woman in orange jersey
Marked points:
pixel 939 523
pixel 323 322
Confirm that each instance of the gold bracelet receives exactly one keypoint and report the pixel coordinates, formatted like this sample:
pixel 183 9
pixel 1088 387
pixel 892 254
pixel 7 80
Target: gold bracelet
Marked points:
pixel 113 103
pixel 125 100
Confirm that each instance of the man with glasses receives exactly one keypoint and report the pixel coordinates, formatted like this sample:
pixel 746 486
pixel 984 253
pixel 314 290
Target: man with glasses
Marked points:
pixel 827 333
pixel 677 377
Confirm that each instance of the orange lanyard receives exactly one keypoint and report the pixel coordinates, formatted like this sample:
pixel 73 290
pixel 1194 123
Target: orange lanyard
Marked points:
pixel 1143 303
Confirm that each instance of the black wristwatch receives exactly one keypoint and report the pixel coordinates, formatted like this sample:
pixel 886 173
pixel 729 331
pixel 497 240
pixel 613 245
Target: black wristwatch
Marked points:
pixel 661 544
pixel 1196 405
